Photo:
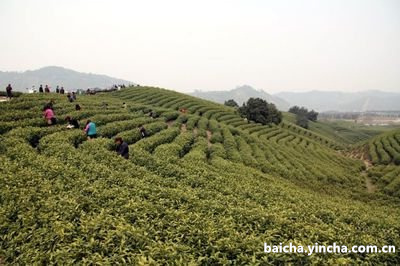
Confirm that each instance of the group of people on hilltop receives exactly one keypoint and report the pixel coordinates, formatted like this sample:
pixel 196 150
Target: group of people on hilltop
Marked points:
pixel 46 89
pixel 60 90
pixel 120 86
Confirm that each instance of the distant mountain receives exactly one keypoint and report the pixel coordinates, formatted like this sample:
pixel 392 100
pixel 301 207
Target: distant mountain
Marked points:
pixel 323 101
pixel 54 76
pixel 240 95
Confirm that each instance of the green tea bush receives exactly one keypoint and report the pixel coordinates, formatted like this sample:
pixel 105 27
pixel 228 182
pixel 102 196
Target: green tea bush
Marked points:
pixel 216 137
pixel 245 152
pixel 171 152
pixel 165 136
pixel 199 151
pixel 169 116
pixel 111 129
pixel 217 150
pixel 192 122
pixel 134 135
pixel 384 158
pixel 230 146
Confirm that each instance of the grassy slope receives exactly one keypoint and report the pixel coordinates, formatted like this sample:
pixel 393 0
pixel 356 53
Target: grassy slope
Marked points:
pixel 183 197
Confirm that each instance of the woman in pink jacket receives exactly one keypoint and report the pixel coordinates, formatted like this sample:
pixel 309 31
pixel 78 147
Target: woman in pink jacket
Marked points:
pixel 49 116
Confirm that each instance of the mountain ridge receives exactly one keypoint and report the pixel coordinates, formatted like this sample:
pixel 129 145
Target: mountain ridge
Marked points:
pixel 324 101
pixel 241 94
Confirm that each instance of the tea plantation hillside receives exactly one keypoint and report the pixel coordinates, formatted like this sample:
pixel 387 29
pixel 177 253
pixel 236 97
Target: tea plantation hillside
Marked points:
pixel 382 156
pixel 205 187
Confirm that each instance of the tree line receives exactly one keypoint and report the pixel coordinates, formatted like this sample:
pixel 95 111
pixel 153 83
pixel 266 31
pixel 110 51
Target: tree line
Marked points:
pixel 303 115
pixel 260 111
pixel 257 110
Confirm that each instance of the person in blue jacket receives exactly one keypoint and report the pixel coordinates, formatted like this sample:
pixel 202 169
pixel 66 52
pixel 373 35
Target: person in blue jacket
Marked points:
pixel 90 130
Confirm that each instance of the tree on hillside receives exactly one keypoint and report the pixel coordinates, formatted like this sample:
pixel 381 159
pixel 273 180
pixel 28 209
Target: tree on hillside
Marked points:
pixel 260 111
pixel 303 115
pixel 302 121
pixel 298 110
pixel 231 103
pixel 312 116
pixel 294 109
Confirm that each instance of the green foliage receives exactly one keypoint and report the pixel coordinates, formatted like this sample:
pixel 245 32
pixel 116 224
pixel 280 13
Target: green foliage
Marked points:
pixel 9 125
pixel 111 129
pixel 231 103
pixel 230 146
pixel 304 113
pixel 134 135
pixel 169 116
pixel 50 143
pixel 165 136
pixel 182 119
pixel 171 152
pixel 192 122
pixel 302 121
pixel 14 94
pixel 198 152
pixel 259 111
pixel 385 148
pixel 218 150
pixel 384 153
pixel 396 159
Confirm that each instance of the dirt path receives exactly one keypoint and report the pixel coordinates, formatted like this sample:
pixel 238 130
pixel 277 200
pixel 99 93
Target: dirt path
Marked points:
pixel 170 123
pixel 367 163
pixel 183 128
pixel 371 188
pixel 361 154
pixel 195 131
pixel 209 134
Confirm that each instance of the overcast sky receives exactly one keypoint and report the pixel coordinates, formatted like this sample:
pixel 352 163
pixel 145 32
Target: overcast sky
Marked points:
pixel 348 45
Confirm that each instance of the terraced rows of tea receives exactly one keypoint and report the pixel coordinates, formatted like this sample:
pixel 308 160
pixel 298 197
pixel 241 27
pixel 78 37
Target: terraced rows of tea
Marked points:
pixel 204 187
pixel 384 156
